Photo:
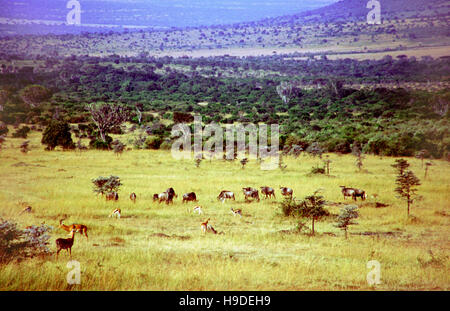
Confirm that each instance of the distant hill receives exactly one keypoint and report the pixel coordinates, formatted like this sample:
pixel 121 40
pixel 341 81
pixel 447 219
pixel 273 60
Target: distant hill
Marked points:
pixel 356 10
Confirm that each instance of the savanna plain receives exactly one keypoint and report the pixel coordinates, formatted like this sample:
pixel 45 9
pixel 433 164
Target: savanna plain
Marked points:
pixel 161 247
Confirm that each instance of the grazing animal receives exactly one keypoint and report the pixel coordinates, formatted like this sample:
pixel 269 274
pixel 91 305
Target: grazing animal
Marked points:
pixel 236 212
pixel 347 192
pixel 116 213
pixel 268 192
pixel 133 197
pixel 187 197
pixel 167 196
pixel 286 191
pixel 112 196
pixel 198 209
pixel 251 193
pixel 359 193
pixel 155 197
pixel 26 210
pixel 65 244
pixel 353 192
pixel 205 227
pixel 82 229
pixel 224 195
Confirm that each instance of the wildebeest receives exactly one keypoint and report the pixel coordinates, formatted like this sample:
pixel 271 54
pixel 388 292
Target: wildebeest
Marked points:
pixel 224 195
pixel 250 192
pixel 359 193
pixel 286 191
pixel 187 197
pixel 133 197
pixel 112 196
pixel 167 196
pixel 352 192
pixel 268 192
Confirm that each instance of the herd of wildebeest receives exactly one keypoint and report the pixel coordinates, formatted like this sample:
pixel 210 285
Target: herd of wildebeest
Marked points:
pixel 250 194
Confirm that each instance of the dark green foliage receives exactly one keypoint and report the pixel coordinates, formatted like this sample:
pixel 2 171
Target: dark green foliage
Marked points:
pixel 57 133
pixel 16 244
pixel 316 170
pixel 21 132
pixel 311 207
pixel 99 144
pixel 153 142
pixel 104 185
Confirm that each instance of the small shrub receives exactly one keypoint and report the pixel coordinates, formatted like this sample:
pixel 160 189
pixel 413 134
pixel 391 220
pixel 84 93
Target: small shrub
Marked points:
pixel 21 132
pixel 153 142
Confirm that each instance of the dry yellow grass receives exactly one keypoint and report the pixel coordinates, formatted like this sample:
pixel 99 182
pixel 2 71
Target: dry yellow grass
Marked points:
pixel 159 247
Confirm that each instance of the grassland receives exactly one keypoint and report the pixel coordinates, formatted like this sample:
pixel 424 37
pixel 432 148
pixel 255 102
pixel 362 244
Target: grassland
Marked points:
pixel 159 247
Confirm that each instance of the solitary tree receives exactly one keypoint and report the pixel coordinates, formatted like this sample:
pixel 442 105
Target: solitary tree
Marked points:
pixel 400 165
pixel 313 207
pixel 406 187
pixel 57 134
pixel 107 117
pixel 348 213
pixel 104 185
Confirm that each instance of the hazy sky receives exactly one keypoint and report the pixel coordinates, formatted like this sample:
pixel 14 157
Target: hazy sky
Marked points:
pixel 160 13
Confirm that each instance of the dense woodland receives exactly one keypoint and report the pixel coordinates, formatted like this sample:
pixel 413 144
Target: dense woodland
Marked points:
pixel 323 106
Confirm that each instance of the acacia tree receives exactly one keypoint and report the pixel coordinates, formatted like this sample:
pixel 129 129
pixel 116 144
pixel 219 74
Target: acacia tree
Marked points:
pixel 406 183
pixel 348 213
pixel 107 116
pixel 313 207
pixel 104 185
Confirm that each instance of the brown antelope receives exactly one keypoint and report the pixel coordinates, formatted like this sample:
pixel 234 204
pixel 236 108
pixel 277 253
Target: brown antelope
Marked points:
pixel 65 244
pixel 82 229
pixel 198 209
pixel 236 212
pixel 207 227
pixel 116 213
pixel 133 197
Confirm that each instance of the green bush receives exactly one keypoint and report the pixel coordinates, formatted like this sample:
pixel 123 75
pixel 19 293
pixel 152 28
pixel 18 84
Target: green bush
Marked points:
pixel 100 144
pixel 21 132
pixel 153 142
pixel 57 134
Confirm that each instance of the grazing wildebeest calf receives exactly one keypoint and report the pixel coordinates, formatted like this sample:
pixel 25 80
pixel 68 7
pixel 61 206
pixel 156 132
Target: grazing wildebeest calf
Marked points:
pixel 224 195
pixel 268 192
pixel 187 197
pixel 286 191
pixel 251 193
pixel 133 197
pixel 112 196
